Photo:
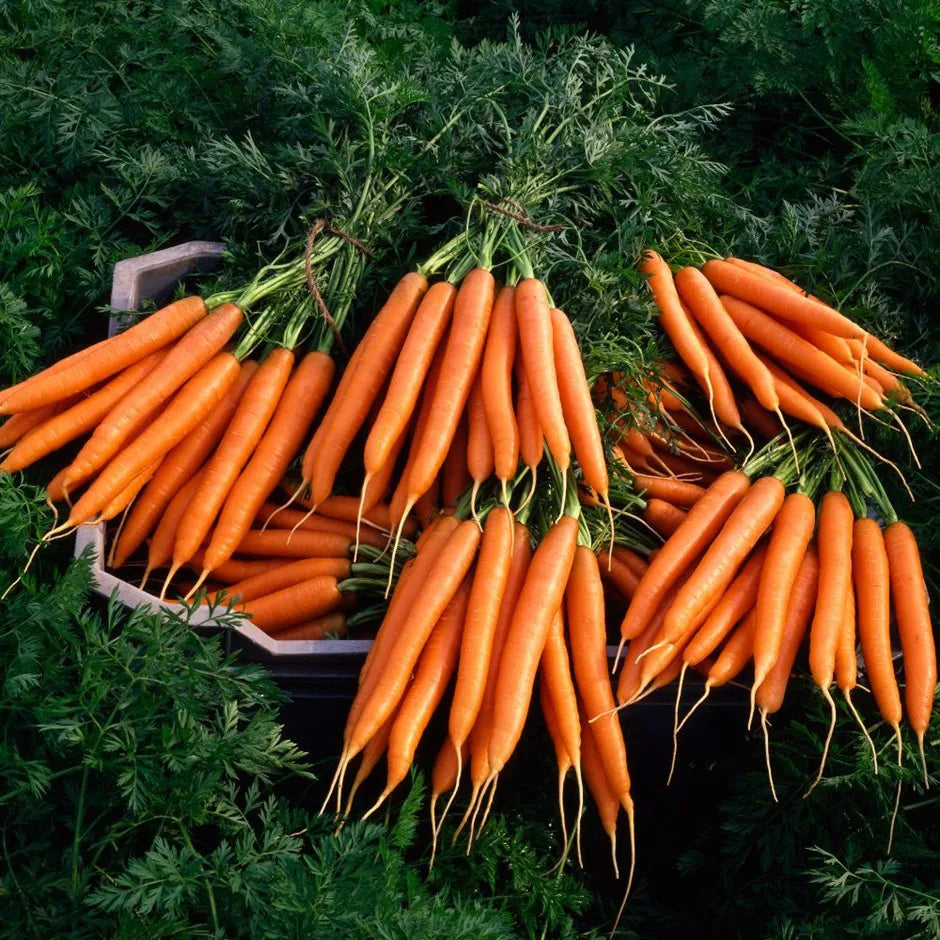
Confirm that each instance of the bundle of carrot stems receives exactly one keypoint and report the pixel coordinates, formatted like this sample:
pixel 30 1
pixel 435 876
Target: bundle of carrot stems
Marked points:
pixel 453 486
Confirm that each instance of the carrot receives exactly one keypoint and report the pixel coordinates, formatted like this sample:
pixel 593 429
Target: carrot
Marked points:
pixel 763 271
pixel 531 442
pixel 459 365
pixel 496 372
pixel 252 416
pixel 883 354
pixel 284 576
pixel 178 466
pixel 834 543
pixel 289 606
pixel 677 492
pixel 431 502
pixel 443 779
pixel 434 669
pixel 345 508
pixel 454 476
pixel 541 596
pixel 371 755
pixel 584 604
pixel 734 604
pixel 443 580
pixel 411 368
pixel 759 419
pixel 779 300
pixel 746 525
pixel 323 627
pixel 870 570
pixel 126 496
pixel 802 358
pixel 663 517
pixel 628 683
pixel 577 407
pixel 476 645
pixel 237 569
pixel 160 549
pixel 704 521
pixel 630 558
pixel 299 404
pixel 615 573
pixel 482 727
pixel 536 334
pixel 561 752
pixel 283 544
pixel 707 309
pixel 846 672
pixel 888 381
pixel 608 805
pixel 142 339
pixel 772 688
pixel 480 453
pixel 379 349
pixel 200 346
pixel 788 544
pixel 734 655
pixel 22 424
pixel 909 595
pixel 297 520
pixel 556 668
pixel 675 320
pixel 191 404
pixel 835 346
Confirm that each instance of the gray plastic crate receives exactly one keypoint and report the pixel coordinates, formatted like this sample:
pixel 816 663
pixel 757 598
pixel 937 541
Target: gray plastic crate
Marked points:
pixel 155 276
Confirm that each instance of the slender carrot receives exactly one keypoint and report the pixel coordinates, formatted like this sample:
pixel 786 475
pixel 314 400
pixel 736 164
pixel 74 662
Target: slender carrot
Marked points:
pixel 608 805
pixel 788 545
pixel 480 453
pixel 411 368
pixel 704 521
pixel 536 335
pixel 577 407
pixel 677 492
pixel 131 346
pixel 187 358
pixel 631 559
pixel 236 569
pixel 443 779
pixel 298 520
pixel 883 354
pixel 126 496
pixel 663 517
pixel 178 466
pixel 345 508
pixel 460 362
pixel 295 604
pixel 531 442
pixel 283 576
pixel 284 544
pixel 320 628
pixel 454 476
pixel 751 518
pixel 561 752
pixel 909 595
pixel 778 300
pixel 192 403
pixel 763 271
pixel 21 425
pixel 555 665
pixel 615 573
pixel 160 549
pixel 496 371
pixel 772 688
pixel 802 358
pixel 541 596
pixel 299 404
pixel 435 666
pixel 373 752
pixel 252 416
pixel 344 417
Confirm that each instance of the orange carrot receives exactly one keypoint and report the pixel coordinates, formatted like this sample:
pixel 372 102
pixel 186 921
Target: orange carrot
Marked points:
pixel 194 352
pixel 909 594
pixel 324 627
pixel 236 569
pixel 778 299
pixel 284 576
pixel 411 368
pixel 663 517
pixel 561 752
pixel 480 454
pixel 23 424
pixel 283 544
pixel 496 371
pixel 536 335
pixel 541 596
pixel 577 407
pixel 608 805
pixel 299 404
pixel 454 476
pixel 177 468
pixel 677 492
pixel 295 604
pixel 883 354
pixel 160 549
pixel 379 350
pixel 140 340
pixel 704 521
pixel 296 519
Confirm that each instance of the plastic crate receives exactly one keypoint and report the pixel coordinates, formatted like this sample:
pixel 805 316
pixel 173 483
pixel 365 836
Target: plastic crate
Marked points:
pixel 334 663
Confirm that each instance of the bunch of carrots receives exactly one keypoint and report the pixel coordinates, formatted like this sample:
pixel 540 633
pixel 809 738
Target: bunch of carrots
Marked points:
pixel 454 485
